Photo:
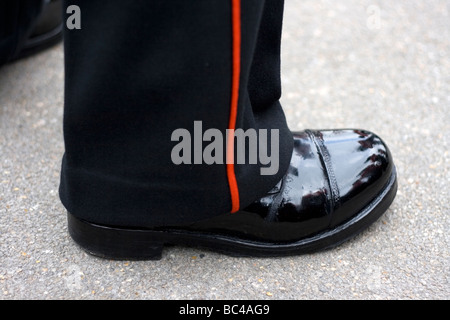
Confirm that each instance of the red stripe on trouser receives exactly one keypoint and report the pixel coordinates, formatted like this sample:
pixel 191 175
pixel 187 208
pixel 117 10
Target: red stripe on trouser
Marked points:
pixel 236 64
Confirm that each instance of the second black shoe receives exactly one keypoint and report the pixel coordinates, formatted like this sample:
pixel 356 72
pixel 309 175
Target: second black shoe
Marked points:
pixel 338 183
pixel 45 31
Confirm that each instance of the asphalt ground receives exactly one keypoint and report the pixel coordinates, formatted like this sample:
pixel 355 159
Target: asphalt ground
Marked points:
pixel 378 65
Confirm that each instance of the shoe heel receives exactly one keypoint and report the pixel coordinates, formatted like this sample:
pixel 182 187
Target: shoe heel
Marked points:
pixel 114 243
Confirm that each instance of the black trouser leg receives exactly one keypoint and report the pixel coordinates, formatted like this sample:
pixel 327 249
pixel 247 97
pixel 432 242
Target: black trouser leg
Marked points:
pixel 138 71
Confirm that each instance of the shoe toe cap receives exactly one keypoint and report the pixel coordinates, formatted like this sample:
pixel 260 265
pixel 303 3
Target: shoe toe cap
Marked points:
pixel 361 166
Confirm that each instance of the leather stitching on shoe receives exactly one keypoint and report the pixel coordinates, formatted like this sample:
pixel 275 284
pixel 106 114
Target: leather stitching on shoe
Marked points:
pixel 325 158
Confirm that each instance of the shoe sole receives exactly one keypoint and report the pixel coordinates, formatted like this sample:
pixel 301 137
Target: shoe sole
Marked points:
pixel 140 244
pixel 40 43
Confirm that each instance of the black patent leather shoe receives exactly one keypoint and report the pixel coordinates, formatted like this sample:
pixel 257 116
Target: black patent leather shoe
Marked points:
pixel 338 183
